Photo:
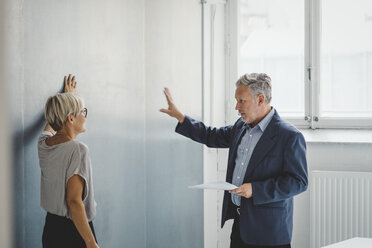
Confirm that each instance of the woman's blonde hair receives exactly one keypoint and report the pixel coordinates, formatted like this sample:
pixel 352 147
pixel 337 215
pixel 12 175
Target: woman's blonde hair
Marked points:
pixel 60 106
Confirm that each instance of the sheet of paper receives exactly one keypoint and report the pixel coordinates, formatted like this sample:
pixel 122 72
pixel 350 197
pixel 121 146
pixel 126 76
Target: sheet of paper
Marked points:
pixel 214 185
pixel 352 243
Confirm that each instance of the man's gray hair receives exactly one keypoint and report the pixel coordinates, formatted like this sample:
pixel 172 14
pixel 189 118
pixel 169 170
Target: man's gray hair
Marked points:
pixel 257 83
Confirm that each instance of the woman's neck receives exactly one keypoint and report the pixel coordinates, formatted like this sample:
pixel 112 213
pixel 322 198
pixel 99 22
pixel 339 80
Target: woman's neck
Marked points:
pixel 61 136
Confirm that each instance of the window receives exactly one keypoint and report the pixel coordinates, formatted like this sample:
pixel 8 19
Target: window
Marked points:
pixel 346 58
pixel 317 52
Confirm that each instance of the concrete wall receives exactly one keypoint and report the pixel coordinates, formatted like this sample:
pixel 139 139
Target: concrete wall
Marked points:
pixel 5 165
pixel 102 42
pixel 173 59
pixel 123 53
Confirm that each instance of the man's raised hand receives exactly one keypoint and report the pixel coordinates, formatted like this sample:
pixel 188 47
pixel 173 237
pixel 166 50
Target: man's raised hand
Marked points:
pixel 172 109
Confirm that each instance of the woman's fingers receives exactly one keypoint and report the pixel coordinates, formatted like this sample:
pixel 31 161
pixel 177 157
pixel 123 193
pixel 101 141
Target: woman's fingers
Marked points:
pixel 73 83
pixel 66 85
pixel 69 79
pixel 70 83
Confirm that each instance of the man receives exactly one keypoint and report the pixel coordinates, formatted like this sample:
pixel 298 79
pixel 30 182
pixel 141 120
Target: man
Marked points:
pixel 267 161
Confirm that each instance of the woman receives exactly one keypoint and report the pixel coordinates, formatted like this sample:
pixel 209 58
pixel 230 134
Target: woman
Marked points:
pixel 66 175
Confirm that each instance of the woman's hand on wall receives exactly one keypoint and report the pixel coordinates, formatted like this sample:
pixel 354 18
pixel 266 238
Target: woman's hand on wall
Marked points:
pixel 70 84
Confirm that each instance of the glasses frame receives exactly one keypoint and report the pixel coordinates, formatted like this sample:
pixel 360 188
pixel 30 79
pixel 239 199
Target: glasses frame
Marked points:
pixel 85 112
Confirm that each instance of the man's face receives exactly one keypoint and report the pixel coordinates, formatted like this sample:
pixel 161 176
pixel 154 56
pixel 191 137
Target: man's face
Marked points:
pixel 247 106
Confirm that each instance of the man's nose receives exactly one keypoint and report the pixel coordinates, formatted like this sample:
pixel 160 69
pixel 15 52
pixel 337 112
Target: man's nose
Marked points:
pixel 236 106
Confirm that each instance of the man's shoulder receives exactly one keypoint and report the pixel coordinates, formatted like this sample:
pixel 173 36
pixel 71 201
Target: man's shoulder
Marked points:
pixel 286 128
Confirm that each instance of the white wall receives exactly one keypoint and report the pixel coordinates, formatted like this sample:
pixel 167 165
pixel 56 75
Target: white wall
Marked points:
pixel 214 112
pixel 102 43
pixel 173 59
pixel 123 53
pixel 5 165
pixel 327 156
pixel 5 171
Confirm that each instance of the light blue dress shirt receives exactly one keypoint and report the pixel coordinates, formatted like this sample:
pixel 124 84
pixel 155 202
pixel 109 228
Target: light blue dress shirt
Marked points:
pixel 245 150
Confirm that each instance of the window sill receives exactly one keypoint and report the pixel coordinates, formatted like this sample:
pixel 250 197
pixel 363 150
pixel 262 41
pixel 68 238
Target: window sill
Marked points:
pixel 353 136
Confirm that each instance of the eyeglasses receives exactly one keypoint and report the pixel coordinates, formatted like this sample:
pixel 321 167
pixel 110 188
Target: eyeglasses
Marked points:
pixel 85 112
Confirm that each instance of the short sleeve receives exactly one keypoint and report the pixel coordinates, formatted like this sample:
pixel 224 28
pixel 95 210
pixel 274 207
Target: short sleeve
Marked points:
pixel 74 164
pixel 78 166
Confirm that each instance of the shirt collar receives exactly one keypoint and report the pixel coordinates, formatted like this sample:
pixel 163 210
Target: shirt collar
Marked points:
pixel 265 121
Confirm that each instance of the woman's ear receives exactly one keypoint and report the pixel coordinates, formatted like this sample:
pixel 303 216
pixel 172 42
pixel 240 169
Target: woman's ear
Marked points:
pixel 70 119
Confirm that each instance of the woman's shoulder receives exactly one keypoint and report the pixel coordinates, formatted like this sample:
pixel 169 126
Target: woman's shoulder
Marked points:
pixel 83 148
pixel 83 153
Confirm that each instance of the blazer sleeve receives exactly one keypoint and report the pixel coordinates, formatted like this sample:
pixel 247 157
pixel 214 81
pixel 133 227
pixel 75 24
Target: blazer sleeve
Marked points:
pixel 293 179
pixel 212 137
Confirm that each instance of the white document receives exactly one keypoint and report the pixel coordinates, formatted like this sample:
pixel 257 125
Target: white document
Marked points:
pixel 352 243
pixel 215 185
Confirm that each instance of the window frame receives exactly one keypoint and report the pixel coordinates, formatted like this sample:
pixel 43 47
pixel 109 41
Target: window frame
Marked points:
pixel 312 31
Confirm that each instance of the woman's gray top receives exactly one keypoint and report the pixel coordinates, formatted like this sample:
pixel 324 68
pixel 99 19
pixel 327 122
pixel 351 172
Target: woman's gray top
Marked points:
pixel 58 163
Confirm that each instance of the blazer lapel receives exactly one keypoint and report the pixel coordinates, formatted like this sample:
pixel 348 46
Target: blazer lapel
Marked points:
pixel 264 145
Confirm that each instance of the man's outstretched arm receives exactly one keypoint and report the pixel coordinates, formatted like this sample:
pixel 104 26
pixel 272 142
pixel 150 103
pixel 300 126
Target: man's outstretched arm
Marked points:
pixel 196 130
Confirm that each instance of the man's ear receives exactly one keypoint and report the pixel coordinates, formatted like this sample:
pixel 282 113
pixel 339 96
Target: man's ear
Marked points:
pixel 261 99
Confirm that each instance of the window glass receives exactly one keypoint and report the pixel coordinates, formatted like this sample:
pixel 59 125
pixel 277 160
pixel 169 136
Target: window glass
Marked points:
pixel 271 40
pixel 346 58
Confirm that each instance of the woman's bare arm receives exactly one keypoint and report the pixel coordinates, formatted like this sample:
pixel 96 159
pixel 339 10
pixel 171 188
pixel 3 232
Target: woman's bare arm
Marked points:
pixel 75 186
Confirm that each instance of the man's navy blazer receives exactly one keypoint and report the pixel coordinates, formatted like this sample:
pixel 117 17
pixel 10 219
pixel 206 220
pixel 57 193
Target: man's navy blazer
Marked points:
pixel 277 171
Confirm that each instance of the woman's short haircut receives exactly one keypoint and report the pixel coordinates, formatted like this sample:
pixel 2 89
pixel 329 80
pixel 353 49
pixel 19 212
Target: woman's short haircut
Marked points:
pixel 60 106
pixel 257 83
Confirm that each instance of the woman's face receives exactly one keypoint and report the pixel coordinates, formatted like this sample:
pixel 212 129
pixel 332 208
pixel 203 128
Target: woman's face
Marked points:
pixel 79 122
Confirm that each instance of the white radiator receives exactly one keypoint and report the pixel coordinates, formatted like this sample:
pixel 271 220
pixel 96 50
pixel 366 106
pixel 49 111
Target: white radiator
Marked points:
pixel 340 205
